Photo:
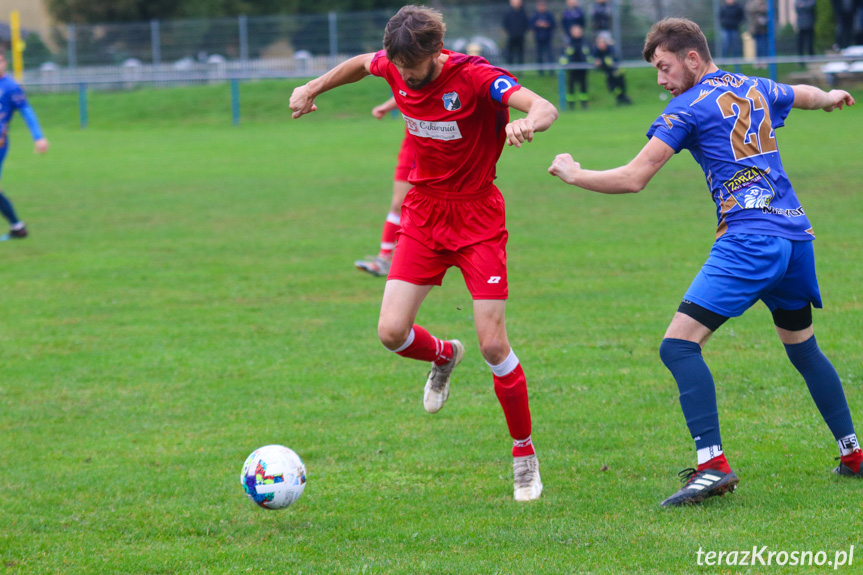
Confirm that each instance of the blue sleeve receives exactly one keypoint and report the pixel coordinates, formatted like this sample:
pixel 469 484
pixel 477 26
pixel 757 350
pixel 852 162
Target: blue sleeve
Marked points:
pixel 17 96
pixel 32 122
pixel 781 99
pixel 675 127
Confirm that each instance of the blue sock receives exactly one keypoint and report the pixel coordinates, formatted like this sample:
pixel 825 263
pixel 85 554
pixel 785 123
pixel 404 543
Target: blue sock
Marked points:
pixel 824 385
pixel 697 392
pixel 7 210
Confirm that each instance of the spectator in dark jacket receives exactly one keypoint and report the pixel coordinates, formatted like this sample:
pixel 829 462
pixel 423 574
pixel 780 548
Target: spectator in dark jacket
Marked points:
pixel 844 12
pixel 576 51
pixel 600 15
pixel 731 16
pixel 543 31
pixel 756 13
pixel 606 60
pixel 573 15
pixel 805 27
pixel 515 24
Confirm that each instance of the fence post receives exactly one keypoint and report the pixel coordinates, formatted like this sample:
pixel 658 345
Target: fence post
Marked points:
pixel 82 104
pixel 334 37
pixel 561 89
pixel 70 47
pixel 156 41
pixel 235 101
pixel 771 37
pixel 718 48
pixel 243 23
pixel 615 28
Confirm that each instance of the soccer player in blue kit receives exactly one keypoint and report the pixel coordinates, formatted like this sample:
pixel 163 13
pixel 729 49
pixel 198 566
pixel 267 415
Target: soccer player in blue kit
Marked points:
pixel 12 98
pixel 763 247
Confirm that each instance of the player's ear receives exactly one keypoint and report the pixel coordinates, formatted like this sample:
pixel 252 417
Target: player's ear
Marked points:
pixel 439 50
pixel 693 60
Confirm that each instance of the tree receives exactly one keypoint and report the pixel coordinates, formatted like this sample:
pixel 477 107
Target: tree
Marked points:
pixel 103 11
pixel 107 11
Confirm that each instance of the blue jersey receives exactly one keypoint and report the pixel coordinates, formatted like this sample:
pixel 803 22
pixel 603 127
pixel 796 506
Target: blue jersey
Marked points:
pixel 12 98
pixel 727 122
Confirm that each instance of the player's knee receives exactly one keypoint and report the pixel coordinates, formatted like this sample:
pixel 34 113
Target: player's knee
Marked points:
pixel 666 351
pixel 672 350
pixel 494 350
pixel 393 334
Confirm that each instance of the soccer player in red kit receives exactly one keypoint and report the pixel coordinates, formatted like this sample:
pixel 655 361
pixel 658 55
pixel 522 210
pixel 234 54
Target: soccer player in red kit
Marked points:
pixel 456 109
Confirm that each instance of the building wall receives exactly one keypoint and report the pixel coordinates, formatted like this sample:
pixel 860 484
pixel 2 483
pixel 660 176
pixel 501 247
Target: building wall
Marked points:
pixel 34 14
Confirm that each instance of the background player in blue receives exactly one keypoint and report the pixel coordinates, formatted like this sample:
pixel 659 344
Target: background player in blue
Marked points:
pixel 764 240
pixel 12 98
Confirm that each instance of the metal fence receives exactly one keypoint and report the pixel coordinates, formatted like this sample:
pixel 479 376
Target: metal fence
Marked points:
pixel 122 56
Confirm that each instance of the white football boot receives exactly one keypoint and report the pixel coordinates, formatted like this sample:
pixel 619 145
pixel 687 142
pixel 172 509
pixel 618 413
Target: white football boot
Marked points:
pixel 437 385
pixel 528 485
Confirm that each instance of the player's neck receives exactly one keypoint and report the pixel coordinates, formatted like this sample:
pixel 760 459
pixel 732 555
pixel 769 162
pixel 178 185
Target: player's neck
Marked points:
pixel 439 64
pixel 710 69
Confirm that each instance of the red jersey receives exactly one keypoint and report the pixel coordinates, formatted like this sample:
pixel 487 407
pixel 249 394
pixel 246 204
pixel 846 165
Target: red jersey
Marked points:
pixel 456 122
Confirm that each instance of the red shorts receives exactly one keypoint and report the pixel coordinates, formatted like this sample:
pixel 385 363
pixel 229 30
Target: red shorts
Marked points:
pixel 465 231
pixel 406 161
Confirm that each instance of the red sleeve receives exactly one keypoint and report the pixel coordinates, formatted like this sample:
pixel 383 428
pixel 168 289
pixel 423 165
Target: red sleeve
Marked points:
pixel 495 83
pixel 379 64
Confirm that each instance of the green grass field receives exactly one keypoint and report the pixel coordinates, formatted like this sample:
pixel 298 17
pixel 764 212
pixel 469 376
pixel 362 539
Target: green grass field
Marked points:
pixel 187 295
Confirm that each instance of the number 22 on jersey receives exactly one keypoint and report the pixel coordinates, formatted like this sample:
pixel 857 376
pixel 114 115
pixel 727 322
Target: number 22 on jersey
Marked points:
pixel 744 143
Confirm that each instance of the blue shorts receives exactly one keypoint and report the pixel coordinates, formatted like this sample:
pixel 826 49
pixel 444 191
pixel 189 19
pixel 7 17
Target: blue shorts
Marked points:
pixel 743 268
pixel 2 157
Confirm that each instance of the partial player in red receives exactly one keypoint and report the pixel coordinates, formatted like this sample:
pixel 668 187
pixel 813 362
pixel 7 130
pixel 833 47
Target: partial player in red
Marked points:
pixel 379 265
pixel 456 109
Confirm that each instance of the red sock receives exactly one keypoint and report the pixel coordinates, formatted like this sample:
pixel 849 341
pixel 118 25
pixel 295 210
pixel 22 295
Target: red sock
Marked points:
pixel 522 447
pixel 388 237
pixel 426 347
pixel 511 390
pixel 853 460
pixel 718 463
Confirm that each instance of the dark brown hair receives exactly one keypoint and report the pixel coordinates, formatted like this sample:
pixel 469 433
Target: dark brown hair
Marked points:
pixel 413 34
pixel 678 36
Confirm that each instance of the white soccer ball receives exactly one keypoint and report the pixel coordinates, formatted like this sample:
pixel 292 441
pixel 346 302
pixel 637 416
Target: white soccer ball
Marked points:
pixel 273 476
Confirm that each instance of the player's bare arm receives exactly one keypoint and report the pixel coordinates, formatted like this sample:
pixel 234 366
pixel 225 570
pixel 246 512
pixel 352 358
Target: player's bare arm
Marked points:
pixel 811 98
pixel 541 114
pixel 348 72
pixel 382 110
pixel 628 179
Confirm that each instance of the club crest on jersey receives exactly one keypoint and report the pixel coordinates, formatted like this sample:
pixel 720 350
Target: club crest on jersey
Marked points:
pixel 451 101
pixel 750 188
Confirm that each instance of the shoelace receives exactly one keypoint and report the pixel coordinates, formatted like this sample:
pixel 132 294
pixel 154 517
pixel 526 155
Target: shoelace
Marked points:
pixel 523 470
pixel 438 375
pixel 687 475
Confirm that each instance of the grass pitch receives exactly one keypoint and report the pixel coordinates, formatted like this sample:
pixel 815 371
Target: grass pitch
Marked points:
pixel 188 295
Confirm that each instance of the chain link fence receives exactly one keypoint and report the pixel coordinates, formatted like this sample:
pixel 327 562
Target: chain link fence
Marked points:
pixel 122 56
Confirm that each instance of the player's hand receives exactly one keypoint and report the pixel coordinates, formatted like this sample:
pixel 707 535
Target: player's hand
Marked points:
pixel 379 112
pixel 565 168
pixel 519 131
pixel 838 98
pixel 302 101
pixel 40 146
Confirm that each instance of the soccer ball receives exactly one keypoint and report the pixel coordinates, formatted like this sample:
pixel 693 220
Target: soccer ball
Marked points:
pixel 273 476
